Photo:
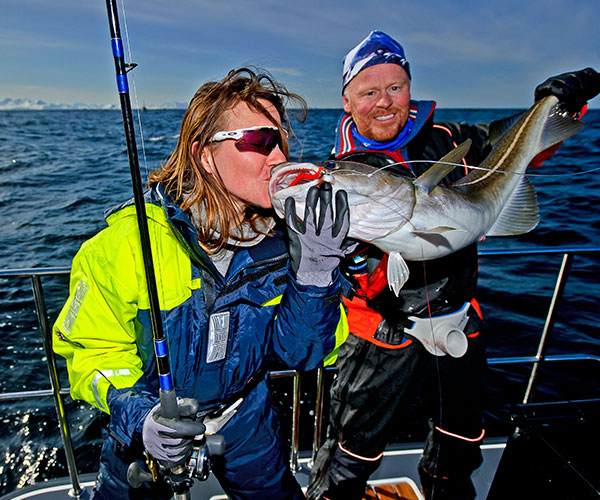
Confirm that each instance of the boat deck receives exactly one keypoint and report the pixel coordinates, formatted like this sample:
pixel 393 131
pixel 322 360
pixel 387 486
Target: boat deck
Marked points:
pixel 396 479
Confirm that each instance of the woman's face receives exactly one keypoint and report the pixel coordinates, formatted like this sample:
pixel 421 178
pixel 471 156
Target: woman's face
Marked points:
pixel 245 174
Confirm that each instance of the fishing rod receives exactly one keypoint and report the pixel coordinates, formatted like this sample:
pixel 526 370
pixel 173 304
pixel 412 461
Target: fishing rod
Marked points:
pixel 168 397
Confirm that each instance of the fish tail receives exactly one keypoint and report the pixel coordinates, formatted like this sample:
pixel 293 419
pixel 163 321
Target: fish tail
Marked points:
pixel 559 126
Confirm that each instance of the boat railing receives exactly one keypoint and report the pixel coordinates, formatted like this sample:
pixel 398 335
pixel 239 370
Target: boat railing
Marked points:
pixel 57 393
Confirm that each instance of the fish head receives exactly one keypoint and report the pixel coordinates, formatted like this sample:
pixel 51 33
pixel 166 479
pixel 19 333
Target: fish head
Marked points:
pixel 293 180
pixel 380 202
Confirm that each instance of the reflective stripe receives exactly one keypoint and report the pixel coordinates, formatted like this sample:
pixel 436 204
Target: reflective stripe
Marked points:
pixel 436 125
pixel 104 375
pixel 74 307
pixel 341 331
pixel 341 334
pixel 273 301
pixel 358 456
pixel 458 436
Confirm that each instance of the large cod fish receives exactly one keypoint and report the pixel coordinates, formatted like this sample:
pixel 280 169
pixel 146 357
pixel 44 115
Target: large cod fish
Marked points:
pixel 420 219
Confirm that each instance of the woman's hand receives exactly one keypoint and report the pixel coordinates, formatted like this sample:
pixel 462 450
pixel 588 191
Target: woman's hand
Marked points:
pixel 317 245
pixel 168 440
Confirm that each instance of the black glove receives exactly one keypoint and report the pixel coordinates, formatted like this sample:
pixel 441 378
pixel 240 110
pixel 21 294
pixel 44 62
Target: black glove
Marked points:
pixel 168 440
pixel 317 245
pixel 573 89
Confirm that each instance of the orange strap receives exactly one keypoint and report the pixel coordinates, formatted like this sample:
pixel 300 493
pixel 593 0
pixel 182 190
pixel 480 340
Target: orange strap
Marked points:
pixel 369 286
pixel 477 308
pixel 363 322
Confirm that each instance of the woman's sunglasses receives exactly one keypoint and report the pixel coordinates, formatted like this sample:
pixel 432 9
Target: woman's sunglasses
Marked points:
pixel 261 139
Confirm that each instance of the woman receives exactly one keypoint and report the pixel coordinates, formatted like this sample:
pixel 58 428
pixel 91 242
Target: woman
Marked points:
pixel 234 300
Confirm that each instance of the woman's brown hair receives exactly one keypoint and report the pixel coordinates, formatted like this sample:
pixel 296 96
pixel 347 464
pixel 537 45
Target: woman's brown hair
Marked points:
pixel 183 176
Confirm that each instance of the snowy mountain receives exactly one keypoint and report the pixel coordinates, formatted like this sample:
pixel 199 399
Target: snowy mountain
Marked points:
pixel 37 104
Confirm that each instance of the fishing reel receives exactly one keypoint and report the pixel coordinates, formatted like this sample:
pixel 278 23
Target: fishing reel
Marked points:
pixel 199 464
pixel 180 478
pixel 206 447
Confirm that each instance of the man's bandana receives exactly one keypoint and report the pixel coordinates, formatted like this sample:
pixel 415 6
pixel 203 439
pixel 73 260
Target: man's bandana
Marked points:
pixel 377 48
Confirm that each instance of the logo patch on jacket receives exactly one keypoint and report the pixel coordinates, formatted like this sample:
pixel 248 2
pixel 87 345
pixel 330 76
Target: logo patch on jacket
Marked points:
pixel 218 332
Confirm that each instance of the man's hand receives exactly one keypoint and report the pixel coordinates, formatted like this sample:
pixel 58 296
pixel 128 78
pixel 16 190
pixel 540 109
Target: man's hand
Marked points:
pixel 168 440
pixel 317 244
pixel 574 88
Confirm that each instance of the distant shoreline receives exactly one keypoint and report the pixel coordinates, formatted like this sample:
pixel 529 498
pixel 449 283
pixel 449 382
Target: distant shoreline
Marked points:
pixel 169 108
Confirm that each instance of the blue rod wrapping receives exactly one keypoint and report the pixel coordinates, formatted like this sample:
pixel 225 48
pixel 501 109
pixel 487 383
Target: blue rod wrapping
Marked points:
pixel 161 348
pixel 122 84
pixel 165 382
pixel 117 47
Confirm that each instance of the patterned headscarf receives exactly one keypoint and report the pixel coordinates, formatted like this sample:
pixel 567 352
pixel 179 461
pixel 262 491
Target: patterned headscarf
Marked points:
pixel 377 48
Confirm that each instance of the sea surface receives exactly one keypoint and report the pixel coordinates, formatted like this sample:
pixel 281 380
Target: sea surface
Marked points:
pixel 59 170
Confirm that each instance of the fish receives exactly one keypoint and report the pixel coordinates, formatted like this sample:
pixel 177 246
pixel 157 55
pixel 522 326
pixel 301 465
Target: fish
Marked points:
pixel 421 219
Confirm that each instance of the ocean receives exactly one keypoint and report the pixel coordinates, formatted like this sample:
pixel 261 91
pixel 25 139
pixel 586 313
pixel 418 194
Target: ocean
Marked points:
pixel 59 170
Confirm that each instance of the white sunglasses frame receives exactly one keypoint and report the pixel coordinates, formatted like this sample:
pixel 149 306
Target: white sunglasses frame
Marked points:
pixel 239 133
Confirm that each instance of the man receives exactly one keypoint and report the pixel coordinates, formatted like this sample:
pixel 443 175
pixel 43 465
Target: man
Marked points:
pixel 381 366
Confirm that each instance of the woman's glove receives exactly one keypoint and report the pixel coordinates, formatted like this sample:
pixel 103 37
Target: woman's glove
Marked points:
pixel 168 440
pixel 317 245
pixel 574 88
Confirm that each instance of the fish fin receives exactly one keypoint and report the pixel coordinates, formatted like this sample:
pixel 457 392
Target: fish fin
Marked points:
pixel 397 272
pixel 432 177
pixel 435 236
pixel 520 214
pixel 498 128
pixel 559 126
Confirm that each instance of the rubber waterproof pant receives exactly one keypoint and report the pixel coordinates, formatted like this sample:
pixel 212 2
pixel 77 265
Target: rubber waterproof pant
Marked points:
pixel 372 388
pixel 255 465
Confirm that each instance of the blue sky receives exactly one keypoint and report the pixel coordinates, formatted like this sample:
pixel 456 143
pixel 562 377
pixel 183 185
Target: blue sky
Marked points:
pixel 463 53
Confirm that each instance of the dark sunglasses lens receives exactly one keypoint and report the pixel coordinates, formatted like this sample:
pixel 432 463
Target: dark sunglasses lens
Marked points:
pixel 260 141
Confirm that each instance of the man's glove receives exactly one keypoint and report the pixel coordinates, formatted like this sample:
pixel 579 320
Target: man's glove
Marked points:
pixel 317 244
pixel 168 440
pixel 573 89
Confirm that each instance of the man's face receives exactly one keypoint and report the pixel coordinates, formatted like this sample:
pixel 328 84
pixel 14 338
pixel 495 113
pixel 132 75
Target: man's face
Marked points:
pixel 378 98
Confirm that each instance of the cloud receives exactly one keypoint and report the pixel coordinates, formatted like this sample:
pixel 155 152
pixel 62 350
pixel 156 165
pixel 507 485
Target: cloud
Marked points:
pixel 286 71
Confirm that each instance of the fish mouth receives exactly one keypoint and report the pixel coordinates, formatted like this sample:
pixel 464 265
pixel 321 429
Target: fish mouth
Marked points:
pixel 288 175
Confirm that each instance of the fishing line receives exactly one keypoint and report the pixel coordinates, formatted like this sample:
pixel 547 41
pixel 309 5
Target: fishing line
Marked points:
pixel 152 229
pixel 438 376
pixel 135 94
pixel 167 393
pixel 473 167
pixel 438 372
pixel 388 196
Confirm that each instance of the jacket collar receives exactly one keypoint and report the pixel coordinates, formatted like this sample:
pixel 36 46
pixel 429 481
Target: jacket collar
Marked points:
pixel 164 211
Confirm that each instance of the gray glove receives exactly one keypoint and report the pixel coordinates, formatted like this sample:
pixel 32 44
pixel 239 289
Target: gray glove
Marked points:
pixel 317 245
pixel 168 440
pixel 573 89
